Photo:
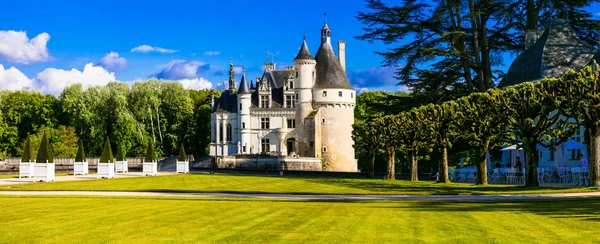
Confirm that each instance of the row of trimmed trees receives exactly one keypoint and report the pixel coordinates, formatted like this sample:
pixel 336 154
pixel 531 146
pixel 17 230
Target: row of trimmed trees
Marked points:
pixel 547 112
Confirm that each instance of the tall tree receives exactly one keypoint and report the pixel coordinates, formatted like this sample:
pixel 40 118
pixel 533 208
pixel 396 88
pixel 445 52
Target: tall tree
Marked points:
pixel 479 121
pixel 366 138
pixel 438 119
pixel 532 119
pixel 413 137
pixel 389 141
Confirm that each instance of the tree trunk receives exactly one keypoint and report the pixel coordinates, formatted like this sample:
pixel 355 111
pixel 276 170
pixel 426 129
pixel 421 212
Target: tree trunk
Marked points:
pixel 594 157
pixel 443 167
pixel 414 172
pixel 152 123
pixel 485 54
pixel 482 178
pixel 475 28
pixel 532 15
pixel 391 171
pixel 158 121
pixel 372 166
pixel 531 162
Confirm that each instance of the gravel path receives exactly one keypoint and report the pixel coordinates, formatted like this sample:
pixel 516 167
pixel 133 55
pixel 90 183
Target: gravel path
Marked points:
pixel 305 197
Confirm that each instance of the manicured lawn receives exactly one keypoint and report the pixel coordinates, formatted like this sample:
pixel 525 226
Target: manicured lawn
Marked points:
pixel 273 184
pixel 158 220
pixel 17 176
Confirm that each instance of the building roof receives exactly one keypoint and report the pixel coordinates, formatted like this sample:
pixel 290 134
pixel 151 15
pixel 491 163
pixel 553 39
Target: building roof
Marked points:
pixel 329 70
pixel 304 53
pixel 557 50
pixel 243 86
pixel 226 103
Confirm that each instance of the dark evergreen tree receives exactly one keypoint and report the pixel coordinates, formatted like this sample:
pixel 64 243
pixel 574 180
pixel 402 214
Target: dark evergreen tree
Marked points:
pixel 107 155
pixel 80 153
pixel 27 152
pixel 150 154
pixel 45 151
pixel 121 153
pixel 182 156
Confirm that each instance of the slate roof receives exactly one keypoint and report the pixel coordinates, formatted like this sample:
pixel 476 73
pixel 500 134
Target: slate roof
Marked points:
pixel 329 70
pixel 243 86
pixel 226 103
pixel 304 53
pixel 557 50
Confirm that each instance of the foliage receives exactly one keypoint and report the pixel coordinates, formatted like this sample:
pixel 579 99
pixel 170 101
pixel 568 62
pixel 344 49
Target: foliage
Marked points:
pixel 150 154
pixel 182 156
pixel 121 153
pixel 412 137
pixel 438 122
pixel 28 152
pixel 45 153
pixel 107 155
pixel 80 153
pixel 63 140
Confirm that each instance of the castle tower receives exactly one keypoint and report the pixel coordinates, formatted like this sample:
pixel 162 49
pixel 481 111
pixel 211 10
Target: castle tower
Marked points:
pixel 244 100
pixel 304 65
pixel 335 98
pixel 231 79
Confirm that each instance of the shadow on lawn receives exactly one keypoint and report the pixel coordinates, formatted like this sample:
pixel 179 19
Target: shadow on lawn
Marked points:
pixel 431 188
pixel 583 209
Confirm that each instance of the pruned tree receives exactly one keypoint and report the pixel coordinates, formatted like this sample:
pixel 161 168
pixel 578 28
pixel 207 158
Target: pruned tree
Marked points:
pixel 182 156
pixel 150 154
pixel 389 141
pixel 438 119
pixel 480 122
pixel 107 155
pixel 27 152
pixel 412 137
pixel 80 153
pixel 45 151
pixel 121 153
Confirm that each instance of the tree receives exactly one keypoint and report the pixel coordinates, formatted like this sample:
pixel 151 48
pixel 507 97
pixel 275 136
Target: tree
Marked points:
pixel 121 154
pixel 366 138
pixel 480 122
pixel 412 137
pixel 150 154
pixel 577 95
pixel 45 151
pixel 177 109
pixel 182 156
pixel 107 155
pixel 80 153
pixel 438 121
pixel 28 153
pixel 532 119
pixel 63 140
pixel 389 141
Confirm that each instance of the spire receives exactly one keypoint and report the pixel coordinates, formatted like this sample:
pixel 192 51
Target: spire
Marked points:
pixel 244 85
pixel 304 53
pixel 325 32
pixel 231 78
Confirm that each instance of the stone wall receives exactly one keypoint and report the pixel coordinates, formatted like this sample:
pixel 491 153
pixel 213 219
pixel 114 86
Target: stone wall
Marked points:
pixel 268 163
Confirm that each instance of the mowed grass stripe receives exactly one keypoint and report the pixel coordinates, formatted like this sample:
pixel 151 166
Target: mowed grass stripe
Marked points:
pixel 151 220
pixel 285 185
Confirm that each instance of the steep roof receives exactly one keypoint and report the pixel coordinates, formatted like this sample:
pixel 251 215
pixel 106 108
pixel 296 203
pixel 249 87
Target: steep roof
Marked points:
pixel 304 53
pixel 557 51
pixel 329 70
pixel 243 86
pixel 226 103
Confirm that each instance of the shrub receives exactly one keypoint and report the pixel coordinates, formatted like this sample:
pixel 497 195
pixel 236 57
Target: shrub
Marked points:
pixel 27 152
pixel 150 154
pixel 182 156
pixel 107 156
pixel 45 151
pixel 80 153
pixel 121 154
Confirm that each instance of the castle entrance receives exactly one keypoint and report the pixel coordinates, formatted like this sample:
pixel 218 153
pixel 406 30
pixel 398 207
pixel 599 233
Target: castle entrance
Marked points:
pixel 291 146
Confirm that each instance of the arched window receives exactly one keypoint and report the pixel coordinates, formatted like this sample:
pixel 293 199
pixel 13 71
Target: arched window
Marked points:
pixel 220 130
pixel 229 132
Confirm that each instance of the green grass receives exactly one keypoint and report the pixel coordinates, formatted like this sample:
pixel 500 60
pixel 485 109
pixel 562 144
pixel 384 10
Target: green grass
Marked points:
pixel 172 220
pixel 289 185
pixel 17 176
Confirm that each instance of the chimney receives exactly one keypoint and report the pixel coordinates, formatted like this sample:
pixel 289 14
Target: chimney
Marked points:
pixel 342 54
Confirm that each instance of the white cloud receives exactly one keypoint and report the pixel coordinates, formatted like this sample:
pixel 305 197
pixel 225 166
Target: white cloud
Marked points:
pixel 53 81
pixel 196 84
pixel 182 69
pixel 238 70
pixel 212 53
pixel 148 48
pixel 15 47
pixel 13 79
pixel 112 61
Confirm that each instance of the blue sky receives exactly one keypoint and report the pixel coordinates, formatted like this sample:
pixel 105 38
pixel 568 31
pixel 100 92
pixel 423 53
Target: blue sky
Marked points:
pixel 55 43
pixel 200 35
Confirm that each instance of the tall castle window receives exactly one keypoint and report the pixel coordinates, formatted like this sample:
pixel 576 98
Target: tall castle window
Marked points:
pixel 291 123
pixel 265 145
pixel 220 129
pixel 264 101
pixel 243 125
pixel 289 101
pixel 264 123
pixel 291 84
pixel 229 132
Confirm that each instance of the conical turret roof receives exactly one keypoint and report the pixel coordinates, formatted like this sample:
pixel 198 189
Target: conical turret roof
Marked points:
pixel 330 73
pixel 243 85
pixel 304 53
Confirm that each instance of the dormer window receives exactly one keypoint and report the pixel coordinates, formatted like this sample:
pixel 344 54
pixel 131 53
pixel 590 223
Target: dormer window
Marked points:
pixel 265 101
pixel 291 85
pixel 324 93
